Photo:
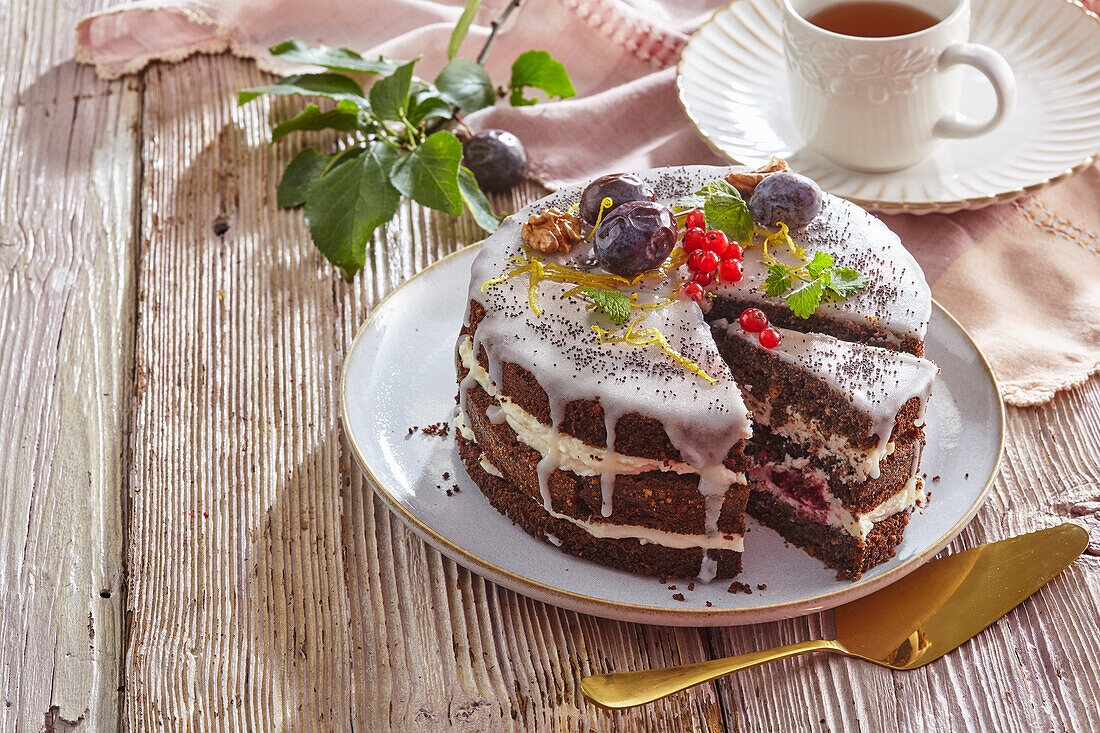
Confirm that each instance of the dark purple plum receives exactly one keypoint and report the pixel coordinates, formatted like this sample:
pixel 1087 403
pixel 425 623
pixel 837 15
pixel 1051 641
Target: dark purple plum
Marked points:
pixel 785 197
pixel 496 158
pixel 619 187
pixel 635 237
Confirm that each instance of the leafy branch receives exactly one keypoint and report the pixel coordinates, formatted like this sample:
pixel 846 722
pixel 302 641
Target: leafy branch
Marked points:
pixel 398 135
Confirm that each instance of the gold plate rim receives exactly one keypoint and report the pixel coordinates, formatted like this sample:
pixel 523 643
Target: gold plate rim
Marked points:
pixel 715 616
pixel 882 205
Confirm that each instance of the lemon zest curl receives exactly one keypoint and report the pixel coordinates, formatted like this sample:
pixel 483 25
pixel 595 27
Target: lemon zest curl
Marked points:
pixel 651 336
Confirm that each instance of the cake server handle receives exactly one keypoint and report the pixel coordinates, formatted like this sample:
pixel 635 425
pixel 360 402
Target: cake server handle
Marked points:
pixel 619 690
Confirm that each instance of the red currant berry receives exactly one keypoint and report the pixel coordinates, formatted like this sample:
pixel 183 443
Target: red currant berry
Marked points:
pixel 717 242
pixel 693 290
pixel 695 218
pixel 770 338
pixel 735 252
pixel 753 320
pixel 730 271
pixel 695 259
pixel 703 278
pixel 708 261
pixel 693 239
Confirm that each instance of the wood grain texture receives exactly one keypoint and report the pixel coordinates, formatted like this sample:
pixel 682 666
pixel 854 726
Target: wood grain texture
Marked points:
pixel 68 192
pixel 268 588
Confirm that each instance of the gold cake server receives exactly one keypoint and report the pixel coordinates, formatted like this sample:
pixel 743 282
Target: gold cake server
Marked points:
pixel 906 625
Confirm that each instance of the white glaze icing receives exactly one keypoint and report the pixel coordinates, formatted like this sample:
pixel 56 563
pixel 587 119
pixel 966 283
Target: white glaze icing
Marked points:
pixel 897 300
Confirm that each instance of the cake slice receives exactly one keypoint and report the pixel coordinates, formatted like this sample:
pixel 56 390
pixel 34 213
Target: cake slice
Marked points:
pixel 837 440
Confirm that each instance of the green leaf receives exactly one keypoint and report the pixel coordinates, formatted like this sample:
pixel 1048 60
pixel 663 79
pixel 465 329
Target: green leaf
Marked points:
pixel 345 206
pixel 465 84
pixel 537 69
pixel 476 201
pixel 338 59
pixel 429 174
pixel 690 202
pixel 462 27
pixel 822 261
pixel 805 300
pixel 730 214
pixel 721 185
pixel 426 104
pixel 301 172
pixel 778 282
pixel 612 302
pixel 389 97
pixel 846 281
pixel 344 118
pixel 333 86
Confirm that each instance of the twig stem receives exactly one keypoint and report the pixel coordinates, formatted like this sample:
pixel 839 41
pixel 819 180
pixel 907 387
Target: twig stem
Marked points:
pixel 494 28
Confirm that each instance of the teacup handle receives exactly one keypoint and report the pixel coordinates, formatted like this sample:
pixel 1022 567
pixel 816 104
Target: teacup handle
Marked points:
pixel 999 73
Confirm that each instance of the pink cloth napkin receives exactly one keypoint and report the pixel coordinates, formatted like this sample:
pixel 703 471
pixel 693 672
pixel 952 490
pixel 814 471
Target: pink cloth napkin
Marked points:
pixel 1023 278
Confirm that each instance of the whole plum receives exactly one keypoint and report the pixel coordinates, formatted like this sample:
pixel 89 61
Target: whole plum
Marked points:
pixel 619 187
pixel 635 237
pixel 496 158
pixel 785 197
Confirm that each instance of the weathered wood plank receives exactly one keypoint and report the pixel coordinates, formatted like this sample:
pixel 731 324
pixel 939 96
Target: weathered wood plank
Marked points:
pixel 1033 671
pixel 268 587
pixel 68 191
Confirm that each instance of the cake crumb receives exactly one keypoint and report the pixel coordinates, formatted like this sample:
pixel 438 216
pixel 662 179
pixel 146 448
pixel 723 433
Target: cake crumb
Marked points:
pixel 672 587
pixel 709 604
pixel 677 596
pixel 691 586
pixel 936 478
pixel 456 489
pixel 446 476
pixel 439 429
pixel 739 587
pixel 966 477
pixel 762 586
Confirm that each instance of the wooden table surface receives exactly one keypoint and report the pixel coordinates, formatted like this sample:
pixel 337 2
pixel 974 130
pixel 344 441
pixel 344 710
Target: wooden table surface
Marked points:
pixel 186 543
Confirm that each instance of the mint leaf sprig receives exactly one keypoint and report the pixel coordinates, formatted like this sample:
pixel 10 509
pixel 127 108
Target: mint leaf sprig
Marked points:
pixel 723 208
pixel 398 136
pixel 613 303
pixel 819 278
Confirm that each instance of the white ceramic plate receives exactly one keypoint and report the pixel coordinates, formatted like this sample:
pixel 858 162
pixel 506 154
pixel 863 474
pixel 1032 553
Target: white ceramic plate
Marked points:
pixel 733 86
pixel 400 373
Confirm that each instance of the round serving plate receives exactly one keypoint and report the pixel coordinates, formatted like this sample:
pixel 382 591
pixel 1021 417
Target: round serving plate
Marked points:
pixel 400 373
pixel 732 84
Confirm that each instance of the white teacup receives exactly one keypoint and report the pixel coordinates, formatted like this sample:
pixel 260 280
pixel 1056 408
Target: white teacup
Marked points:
pixel 880 104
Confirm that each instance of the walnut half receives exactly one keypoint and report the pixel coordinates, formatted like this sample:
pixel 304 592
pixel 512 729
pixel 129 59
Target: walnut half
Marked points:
pixel 745 181
pixel 552 231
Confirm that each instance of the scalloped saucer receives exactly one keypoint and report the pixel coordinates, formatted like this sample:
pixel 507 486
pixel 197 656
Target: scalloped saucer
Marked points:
pixel 733 66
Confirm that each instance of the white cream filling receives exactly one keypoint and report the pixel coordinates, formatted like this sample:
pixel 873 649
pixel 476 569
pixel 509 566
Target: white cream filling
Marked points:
pixel 572 454
pixel 649 536
pixel 857 524
pixel 459 424
pixel 489 468
pixel 864 463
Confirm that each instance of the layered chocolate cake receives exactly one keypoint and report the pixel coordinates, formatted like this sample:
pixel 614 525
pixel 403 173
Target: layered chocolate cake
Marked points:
pixel 638 369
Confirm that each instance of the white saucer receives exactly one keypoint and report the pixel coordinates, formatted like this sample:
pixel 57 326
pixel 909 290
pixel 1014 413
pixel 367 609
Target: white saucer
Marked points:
pixel 400 373
pixel 733 86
